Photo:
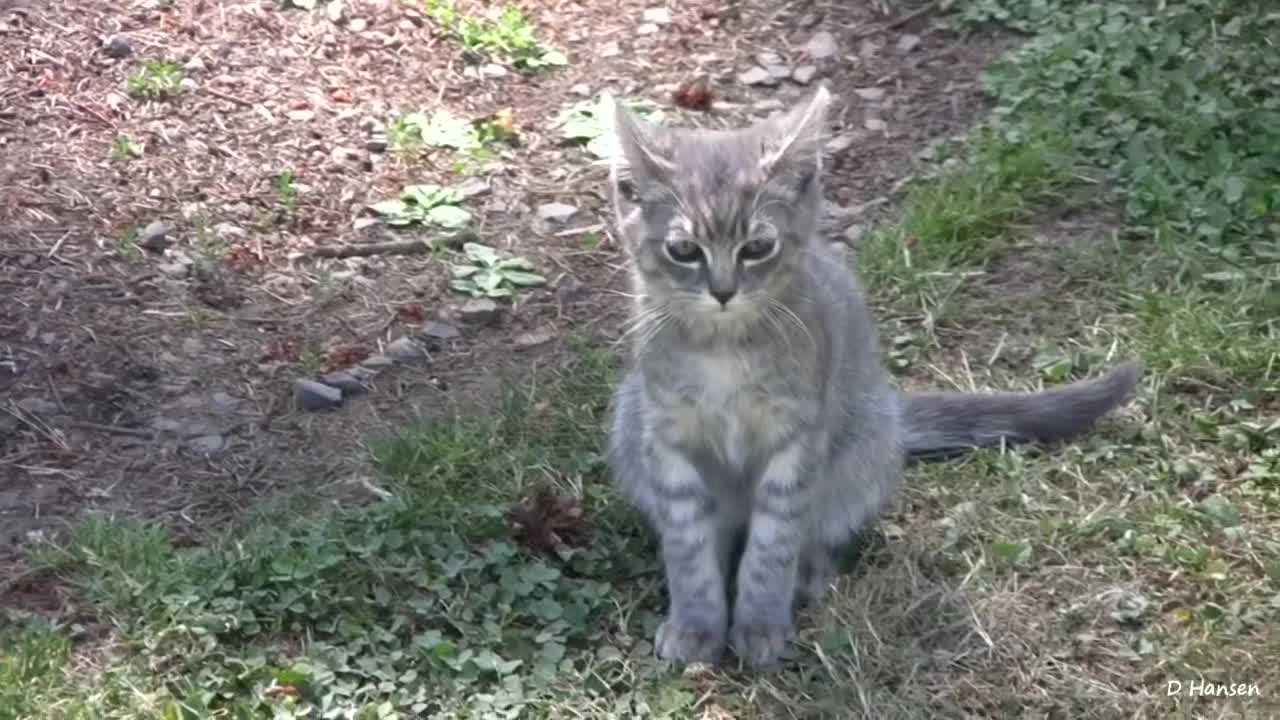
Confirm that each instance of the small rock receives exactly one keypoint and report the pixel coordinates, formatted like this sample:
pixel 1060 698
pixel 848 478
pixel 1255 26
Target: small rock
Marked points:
pixel 155 236
pixel 207 444
pixel 348 383
pixel 765 59
pixel 804 74
pixel 871 94
pixel 581 89
pixel 659 15
pixel 528 340
pixel 223 401
pixel 569 291
pixel 908 42
pixel 768 105
pixel 609 49
pixel 175 270
pixel 377 362
pixel 301 115
pixel 821 46
pixel 312 395
pixel 779 72
pixel 334 11
pixel 757 76
pixel 874 124
pixel 405 350
pixel 853 234
pixel 189 84
pixel 647 29
pixel 119 47
pixel 192 346
pixel 39 406
pixel 556 212
pixel 479 312
pixel 195 65
pixel 377 144
pixel 358 24
pixel 473 187
pixel 436 330
pixel 839 143
pixel 493 70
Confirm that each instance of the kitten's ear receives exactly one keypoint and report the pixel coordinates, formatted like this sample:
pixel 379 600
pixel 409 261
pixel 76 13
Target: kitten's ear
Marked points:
pixel 792 144
pixel 639 159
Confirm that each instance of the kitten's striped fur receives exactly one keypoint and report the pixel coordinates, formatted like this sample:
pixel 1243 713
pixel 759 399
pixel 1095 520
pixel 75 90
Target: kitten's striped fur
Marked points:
pixel 758 435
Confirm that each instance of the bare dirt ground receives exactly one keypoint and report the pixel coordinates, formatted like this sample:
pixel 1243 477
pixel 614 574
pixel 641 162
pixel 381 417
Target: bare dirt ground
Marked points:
pixel 160 383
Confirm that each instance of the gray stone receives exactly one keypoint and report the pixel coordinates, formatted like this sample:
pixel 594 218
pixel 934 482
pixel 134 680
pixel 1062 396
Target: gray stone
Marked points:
pixel 768 105
pixel 377 362
pixel 155 236
pixel 871 94
pixel 473 187
pixel 659 15
pixel 312 395
pixel 908 42
pixel 436 330
pixel 207 444
pixel 175 270
pixel 493 70
pixel 119 47
pixel 556 212
pixel 778 72
pixel 479 312
pixel 345 381
pixel 195 65
pixel 853 234
pixel 757 76
pixel 525 341
pixel 804 74
pixel 405 350
pixel 223 401
pixel 39 406
pixel 376 143
pixel 821 46
pixel 765 59
pixel 647 29
pixel 581 89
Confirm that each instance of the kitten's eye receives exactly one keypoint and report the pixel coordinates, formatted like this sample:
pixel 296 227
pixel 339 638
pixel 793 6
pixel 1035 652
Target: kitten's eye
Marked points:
pixel 684 252
pixel 757 249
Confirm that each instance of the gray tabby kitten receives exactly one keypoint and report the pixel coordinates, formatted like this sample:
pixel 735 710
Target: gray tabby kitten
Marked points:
pixel 755 426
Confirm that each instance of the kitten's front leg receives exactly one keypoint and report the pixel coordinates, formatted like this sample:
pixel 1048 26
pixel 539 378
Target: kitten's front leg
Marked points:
pixel 763 621
pixel 694 630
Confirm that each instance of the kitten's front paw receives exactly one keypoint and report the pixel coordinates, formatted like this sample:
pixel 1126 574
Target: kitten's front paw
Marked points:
pixel 686 642
pixel 760 644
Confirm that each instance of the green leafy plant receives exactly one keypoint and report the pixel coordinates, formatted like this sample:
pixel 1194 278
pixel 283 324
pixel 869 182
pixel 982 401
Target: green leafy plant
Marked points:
pixel 510 37
pixel 156 79
pixel 123 148
pixel 491 273
pixel 286 189
pixel 443 129
pixel 587 122
pixel 424 204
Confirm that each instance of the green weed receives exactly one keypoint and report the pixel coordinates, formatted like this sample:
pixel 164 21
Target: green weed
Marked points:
pixel 155 80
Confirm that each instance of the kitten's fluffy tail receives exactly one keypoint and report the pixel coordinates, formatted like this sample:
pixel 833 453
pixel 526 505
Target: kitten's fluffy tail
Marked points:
pixel 941 423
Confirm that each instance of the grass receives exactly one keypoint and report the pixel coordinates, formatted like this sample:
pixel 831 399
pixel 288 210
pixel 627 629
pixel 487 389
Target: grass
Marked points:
pixel 155 80
pixel 1069 584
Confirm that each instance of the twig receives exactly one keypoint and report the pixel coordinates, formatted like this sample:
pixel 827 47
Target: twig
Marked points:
pixel 393 247
pixel 224 96
pixel 899 22
pixel 112 429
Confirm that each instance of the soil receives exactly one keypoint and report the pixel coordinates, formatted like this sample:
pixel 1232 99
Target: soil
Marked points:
pixel 159 385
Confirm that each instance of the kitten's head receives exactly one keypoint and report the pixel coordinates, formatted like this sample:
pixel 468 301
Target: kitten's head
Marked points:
pixel 718 223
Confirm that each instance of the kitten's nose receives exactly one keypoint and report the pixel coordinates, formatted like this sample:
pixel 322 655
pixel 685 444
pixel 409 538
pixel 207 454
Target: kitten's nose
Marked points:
pixel 723 295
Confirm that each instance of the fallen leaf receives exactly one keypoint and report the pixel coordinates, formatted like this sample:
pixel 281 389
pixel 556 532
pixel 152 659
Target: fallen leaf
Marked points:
pixel 693 94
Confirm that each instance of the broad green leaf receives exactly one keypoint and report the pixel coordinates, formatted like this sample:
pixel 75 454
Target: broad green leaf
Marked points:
pixel 464 271
pixel 448 130
pixel 465 286
pixel 425 195
pixel 524 279
pixel 480 253
pixel 515 263
pixel 390 207
pixel 449 216
pixel 1011 552
pixel 554 57
pixel 501 292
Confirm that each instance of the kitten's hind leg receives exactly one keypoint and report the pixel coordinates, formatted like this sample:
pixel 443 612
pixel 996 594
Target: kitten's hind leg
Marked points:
pixel 694 557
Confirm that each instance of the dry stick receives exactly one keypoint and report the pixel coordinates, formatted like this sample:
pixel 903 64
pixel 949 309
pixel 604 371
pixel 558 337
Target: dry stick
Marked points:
pixel 895 24
pixel 229 98
pixel 393 247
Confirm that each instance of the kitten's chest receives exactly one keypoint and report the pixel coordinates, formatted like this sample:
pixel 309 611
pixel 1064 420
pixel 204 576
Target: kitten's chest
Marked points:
pixel 736 409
